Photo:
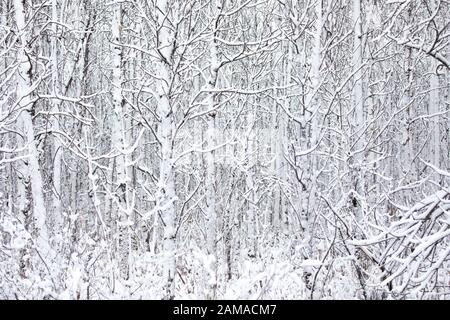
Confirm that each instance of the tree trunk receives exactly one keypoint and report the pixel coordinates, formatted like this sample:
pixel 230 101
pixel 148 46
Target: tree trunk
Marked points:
pixel 211 214
pixel 27 106
pixel 166 195
pixel 121 186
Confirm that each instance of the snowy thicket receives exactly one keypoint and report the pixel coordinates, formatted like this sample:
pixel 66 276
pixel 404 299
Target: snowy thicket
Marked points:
pixel 263 149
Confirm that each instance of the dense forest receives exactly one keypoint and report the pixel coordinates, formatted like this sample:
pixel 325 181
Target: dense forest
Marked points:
pixel 224 149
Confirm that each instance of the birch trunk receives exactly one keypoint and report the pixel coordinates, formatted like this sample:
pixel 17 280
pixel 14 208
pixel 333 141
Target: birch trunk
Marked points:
pixel 313 99
pixel 275 147
pixel 358 105
pixel 119 145
pixel 250 187
pixel 27 105
pixel 410 110
pixel 211 214
pixel 58 151
pixel 313 104
pixel 434 109
pixel 166 195
pixel 357 137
